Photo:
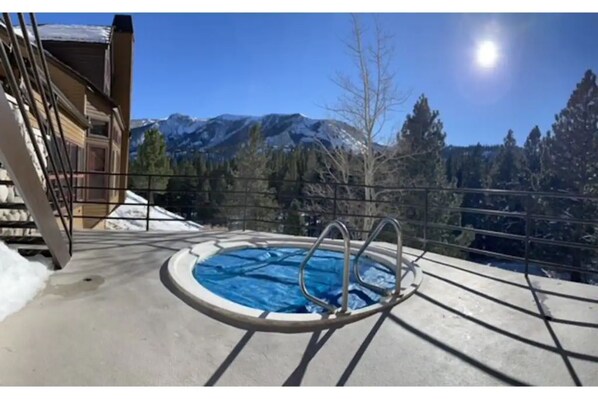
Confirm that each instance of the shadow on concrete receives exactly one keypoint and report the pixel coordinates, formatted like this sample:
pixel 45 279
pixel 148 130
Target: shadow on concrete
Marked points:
pixel 468 359
pixel 510 305
pixel 512 283
pixel 362 348
pixel 557 343
pixel 161 242
pixel 439 344
pixel 313 346
pixel 229 359
pixel 557 349
pixel 581 356
pixel 103 241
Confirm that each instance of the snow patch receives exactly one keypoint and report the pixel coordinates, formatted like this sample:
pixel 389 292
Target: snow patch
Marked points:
pixel 75 33
pixel 135 209
pixel 20 279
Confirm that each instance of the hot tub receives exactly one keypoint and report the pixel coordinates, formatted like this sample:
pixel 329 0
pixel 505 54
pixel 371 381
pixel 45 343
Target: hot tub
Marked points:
pixel 255 283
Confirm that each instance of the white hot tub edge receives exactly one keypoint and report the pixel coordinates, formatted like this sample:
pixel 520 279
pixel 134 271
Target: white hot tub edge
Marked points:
pixel 180 272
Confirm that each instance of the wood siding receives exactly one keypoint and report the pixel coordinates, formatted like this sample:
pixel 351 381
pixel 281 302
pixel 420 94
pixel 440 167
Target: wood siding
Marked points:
pixel 77 221
pixel 97 107
pixel 70 86
pixel 92 60
pixel 73 132
pixel 94 210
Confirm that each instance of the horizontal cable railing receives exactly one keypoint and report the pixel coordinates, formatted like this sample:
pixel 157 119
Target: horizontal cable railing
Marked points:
pixel 241 206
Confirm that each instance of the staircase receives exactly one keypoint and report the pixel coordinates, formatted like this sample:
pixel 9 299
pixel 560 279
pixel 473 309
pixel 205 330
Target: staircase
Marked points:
pixel 35 172
pixel 17 228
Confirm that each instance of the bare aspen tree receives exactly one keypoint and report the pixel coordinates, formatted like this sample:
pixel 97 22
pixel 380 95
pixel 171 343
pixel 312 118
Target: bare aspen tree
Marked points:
pixel 368 97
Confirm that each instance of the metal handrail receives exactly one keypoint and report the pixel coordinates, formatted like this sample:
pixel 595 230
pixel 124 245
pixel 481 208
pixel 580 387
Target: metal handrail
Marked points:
pixel 221 218
pixel 340 226
pixel 399 255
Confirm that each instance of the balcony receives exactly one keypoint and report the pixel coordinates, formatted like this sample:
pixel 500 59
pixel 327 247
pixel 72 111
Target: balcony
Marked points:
pixel 112 318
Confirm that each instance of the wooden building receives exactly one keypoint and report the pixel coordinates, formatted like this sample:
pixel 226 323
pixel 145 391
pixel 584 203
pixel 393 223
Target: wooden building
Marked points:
pixel 91 72
pixel 93 66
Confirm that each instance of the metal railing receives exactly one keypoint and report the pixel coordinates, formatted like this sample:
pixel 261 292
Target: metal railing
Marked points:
pixel 338 225
pixel 398 258
pixel 24 87
pixel 235 204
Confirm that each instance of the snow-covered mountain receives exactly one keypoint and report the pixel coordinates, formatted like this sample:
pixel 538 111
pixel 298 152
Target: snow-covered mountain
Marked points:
pixel 224 134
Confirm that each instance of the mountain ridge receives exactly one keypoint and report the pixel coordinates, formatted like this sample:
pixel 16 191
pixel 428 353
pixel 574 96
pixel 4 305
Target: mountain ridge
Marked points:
pixel 227 132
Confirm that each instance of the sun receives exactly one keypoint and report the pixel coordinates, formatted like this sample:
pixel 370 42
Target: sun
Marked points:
pixel 487 54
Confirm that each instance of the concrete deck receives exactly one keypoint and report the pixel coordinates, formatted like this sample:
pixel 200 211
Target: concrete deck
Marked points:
pixel 467 325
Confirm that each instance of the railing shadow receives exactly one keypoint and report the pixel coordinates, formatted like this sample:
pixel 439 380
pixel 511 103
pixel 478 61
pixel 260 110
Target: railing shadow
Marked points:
pixel 557 349
pixel 553 335
pixel 362 348
pixel 511 283
pixel 314 345
pixel 229 359
pixel 449 349
pixel 510 305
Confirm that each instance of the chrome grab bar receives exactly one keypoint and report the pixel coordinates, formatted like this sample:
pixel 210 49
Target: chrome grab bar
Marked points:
pixel 346 269
pixel 398 275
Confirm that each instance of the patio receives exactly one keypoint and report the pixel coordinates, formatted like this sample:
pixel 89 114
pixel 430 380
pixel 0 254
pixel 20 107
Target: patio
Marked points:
pixel 110 318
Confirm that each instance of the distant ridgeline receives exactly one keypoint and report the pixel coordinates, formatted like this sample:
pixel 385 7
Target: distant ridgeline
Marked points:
pixel 224 134
pixel 563 160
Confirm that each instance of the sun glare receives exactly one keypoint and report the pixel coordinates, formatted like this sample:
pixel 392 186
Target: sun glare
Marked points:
pixel 487 54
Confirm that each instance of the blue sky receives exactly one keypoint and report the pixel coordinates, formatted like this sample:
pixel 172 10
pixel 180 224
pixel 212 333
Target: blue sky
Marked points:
pixel 253 64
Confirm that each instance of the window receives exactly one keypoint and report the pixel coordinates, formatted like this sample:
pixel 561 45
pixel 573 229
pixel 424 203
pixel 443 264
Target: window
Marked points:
pixel 97 161
pixel 77 157
pixel 100 128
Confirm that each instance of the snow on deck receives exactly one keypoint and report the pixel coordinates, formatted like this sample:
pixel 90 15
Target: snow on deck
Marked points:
pixel 178 223
pixel 20 279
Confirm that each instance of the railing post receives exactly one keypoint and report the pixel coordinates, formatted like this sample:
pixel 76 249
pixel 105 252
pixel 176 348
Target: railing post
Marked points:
pixel 149 197
pixel 334 201
pixel 528 201
pixel 426 219
pixel 72 198
pixel 245 204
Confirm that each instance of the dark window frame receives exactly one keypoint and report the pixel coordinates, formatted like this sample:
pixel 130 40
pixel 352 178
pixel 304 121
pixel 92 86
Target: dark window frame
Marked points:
pixel 92 178
pixel 97 122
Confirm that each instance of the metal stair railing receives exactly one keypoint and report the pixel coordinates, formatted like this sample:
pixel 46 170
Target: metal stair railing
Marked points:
pixel 23 173
pixel 399 254
pixel 46 129
pixel 337 224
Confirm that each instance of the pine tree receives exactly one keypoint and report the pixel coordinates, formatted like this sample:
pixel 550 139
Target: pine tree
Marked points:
pixel 573 167
pixel 505 173
pixel 420 163
pixel 507 166
pixel 473 175
pixel 181 191
pixel 152 158
pixel 290 192
pixel 252 198
pixel 420 142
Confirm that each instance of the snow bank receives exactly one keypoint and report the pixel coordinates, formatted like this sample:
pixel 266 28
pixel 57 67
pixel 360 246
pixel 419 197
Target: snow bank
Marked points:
pixel 69 33
pixel 75 33
pixel 20 279
pixel 178 223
